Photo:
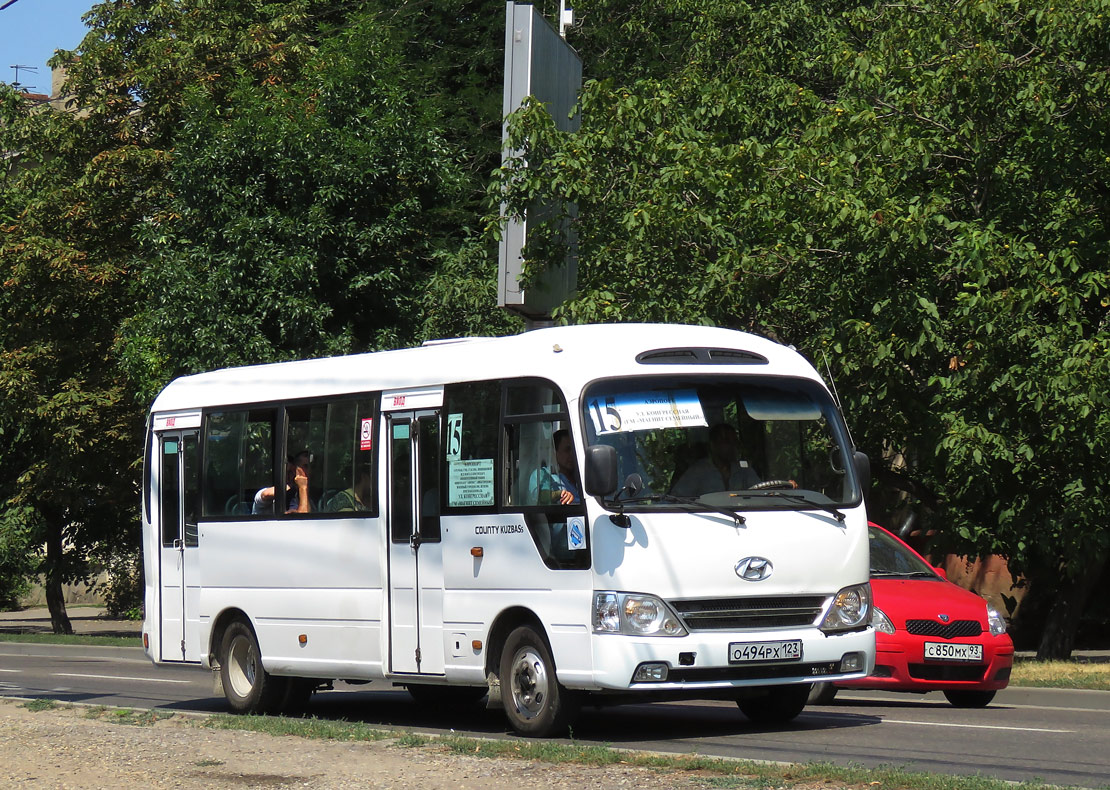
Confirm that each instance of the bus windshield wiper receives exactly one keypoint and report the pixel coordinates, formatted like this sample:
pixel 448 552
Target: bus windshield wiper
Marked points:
pixel 793 498
pixel 672 499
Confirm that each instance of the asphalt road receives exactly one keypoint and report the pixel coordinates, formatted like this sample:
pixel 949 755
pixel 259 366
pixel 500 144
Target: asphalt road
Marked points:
pixel 1054 736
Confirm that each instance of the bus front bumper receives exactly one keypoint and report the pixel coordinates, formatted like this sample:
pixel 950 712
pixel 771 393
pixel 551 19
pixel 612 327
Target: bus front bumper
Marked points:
pixel 701 661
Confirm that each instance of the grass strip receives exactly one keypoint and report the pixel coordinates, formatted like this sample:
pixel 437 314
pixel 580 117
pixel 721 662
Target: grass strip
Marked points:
pixel 321 729
pixel 1073 674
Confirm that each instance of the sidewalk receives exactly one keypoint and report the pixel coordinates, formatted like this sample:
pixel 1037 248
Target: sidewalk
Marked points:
pixel 89 620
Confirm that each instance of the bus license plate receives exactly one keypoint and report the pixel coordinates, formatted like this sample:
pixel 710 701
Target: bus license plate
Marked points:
pixel 941 651
pixel 745 652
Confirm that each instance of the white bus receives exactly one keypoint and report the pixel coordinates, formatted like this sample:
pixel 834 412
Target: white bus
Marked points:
pixel 603 513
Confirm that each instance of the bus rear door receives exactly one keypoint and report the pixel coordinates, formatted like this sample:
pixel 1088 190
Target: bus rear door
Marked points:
pixel 178 558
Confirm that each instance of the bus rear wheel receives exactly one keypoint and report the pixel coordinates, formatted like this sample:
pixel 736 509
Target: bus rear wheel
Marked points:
pixel 776 704
pixel 248 687
pixel 535 703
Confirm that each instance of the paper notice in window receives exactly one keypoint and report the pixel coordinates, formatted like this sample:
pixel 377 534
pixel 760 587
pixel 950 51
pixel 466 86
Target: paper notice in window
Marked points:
pixel 470 483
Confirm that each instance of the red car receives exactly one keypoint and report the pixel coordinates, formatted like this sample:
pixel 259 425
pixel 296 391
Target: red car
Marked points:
pixel 930 634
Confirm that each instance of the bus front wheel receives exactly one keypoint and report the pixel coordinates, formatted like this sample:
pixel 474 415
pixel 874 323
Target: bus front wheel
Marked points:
pixel 535 703
pixel 775 704
pixel 249 688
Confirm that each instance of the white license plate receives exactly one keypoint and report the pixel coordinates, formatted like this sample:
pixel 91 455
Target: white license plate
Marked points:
pixel 942 651
pixel 744 652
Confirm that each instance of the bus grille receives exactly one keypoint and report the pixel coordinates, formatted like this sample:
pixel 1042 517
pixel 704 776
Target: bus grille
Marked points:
pixel 740 614
pixel 951 630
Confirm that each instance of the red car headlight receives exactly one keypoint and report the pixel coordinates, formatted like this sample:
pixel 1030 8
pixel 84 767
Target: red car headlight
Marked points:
pixel 881 622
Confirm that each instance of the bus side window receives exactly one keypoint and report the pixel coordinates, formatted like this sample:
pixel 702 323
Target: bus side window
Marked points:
pixel 239 459
pixel 534 410
pixel 305 428
pixel 472 419
pixel 346 466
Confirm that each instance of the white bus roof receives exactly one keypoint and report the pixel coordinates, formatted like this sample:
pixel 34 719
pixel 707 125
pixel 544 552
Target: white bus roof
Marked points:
pixel 569 355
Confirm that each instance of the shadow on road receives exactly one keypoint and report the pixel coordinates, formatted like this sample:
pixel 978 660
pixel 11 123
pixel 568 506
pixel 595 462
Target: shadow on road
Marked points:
pixel 636 723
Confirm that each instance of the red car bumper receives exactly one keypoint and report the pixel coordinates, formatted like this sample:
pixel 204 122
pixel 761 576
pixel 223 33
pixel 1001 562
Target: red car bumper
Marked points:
pixel 900 665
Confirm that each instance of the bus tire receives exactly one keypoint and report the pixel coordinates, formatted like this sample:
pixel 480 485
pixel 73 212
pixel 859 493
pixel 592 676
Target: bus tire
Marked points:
pixel 776 704
pixel 535 703
pixel 297 695
pixel 248 687
pixel 822 694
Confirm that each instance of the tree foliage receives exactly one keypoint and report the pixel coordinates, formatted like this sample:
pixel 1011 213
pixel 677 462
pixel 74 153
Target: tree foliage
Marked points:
pixel 915 196
pixel 308 209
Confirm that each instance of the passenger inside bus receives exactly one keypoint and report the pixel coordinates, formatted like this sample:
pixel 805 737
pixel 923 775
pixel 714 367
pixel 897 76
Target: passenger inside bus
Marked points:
pixel 721 470
pixel 355 498
pixel 297 468
pixel 558 486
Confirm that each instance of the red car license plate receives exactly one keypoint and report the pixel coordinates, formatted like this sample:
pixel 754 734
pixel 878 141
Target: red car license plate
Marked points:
pixel 943 651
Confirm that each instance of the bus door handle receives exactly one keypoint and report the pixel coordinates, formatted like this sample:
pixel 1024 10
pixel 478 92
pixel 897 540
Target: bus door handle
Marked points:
pixel 178 544
pixel 415 541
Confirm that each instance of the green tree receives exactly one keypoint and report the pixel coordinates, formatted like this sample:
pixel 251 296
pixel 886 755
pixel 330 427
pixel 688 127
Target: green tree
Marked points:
pixel 68 424
pixel 76 185
pixel 915 197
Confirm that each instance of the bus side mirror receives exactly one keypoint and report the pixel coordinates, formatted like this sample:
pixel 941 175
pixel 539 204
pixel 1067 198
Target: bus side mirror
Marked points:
pixel 601 470
pixel 863 471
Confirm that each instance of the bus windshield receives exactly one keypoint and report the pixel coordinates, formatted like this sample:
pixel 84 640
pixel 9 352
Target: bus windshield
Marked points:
pixel 739 442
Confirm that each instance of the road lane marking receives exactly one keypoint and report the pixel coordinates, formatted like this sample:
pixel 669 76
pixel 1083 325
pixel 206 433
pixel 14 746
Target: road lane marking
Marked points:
pixel 970 726
pixel 117 677
pixel 11 670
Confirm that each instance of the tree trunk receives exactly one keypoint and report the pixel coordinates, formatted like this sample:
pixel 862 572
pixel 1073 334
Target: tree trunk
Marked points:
pixel 55 598
pixel 1058 637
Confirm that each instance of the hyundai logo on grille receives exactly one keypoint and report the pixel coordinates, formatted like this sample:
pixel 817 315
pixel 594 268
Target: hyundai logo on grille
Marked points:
pixel 944 618
pixel 754 569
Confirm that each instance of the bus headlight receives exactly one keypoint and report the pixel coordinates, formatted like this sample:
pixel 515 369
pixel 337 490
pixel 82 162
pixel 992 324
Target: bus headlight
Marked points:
pixel 851 608
pixel 634 614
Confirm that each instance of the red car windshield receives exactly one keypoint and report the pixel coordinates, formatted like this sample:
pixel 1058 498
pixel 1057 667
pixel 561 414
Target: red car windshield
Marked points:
pixel 890 558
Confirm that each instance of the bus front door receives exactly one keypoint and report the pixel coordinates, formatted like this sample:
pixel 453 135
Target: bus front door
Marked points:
pixel 177 511
pixel 415 551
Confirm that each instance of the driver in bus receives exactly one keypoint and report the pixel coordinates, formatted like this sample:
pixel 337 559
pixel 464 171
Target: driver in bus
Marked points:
pixel 559 487
pixel 721 470
pixel 296 487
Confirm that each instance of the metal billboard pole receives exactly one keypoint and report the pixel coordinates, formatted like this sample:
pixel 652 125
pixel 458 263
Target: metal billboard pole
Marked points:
pixel 538 63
